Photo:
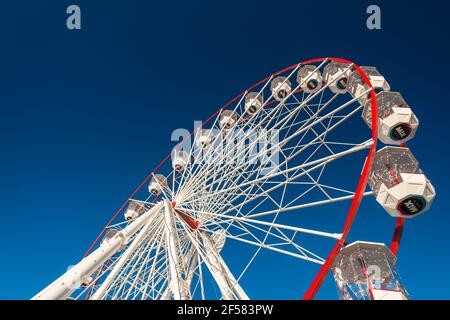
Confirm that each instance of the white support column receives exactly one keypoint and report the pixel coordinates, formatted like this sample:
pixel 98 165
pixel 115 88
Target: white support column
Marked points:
pixel 165 295
pixel 176 283
pixel 99 294
pixel 62 287
pixel 229 287
pixel 192 258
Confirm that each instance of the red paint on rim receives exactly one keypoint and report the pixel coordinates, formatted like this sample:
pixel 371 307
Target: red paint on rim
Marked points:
pixel 351 215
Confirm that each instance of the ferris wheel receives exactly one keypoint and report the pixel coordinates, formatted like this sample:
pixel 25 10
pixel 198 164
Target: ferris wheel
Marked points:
pixel 282 168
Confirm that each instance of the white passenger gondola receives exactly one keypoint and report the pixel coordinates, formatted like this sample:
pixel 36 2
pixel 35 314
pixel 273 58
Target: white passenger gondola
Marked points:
pixel 359 89
pixel 157 184
pixel 398 183
pixel 180 160
pixel 253 102
pixel 397 123
pixel 366 271
pixel 309 79
pixel 228 119
pixel 336 75
pixel 204 138
pixel 134 210
pixel 109 234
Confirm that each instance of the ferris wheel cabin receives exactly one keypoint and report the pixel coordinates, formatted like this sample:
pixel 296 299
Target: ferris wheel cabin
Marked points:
pixel 336 75
pixel 157 184
pixel 134 210
pixel 228 118
pixel 358 88
pixel 180 160
pixel 204 139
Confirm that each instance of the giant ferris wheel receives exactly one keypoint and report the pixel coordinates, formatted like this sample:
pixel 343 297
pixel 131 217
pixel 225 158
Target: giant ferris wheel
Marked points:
pixel 281 168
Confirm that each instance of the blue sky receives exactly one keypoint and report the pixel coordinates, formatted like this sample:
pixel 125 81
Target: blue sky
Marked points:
pixel 76 105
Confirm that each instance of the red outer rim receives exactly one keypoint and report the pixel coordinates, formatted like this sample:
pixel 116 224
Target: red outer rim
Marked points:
pixel 321 275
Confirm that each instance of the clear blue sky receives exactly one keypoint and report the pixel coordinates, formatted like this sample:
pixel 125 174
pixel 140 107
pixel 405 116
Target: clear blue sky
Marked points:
pixel 76 105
